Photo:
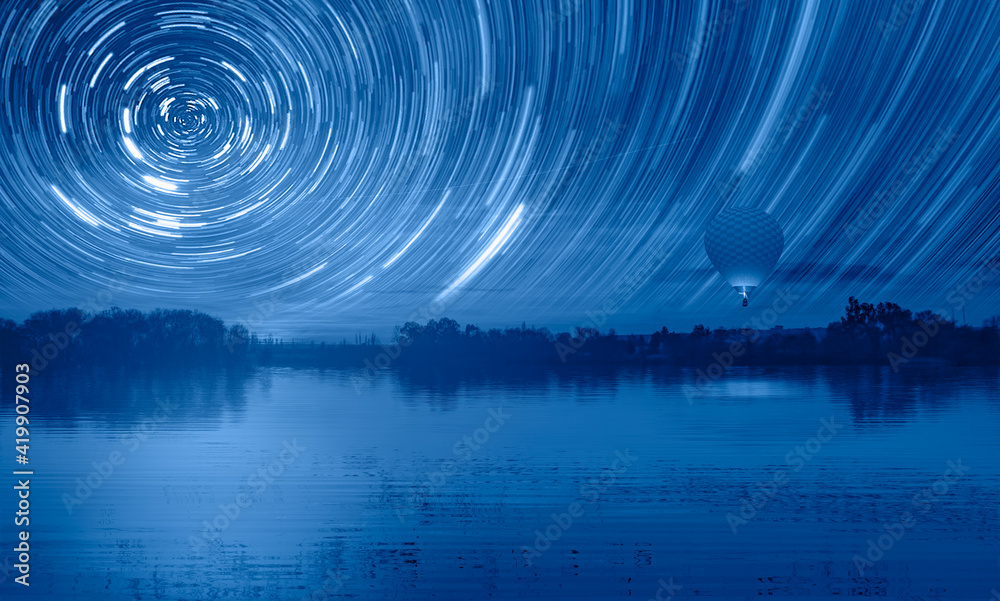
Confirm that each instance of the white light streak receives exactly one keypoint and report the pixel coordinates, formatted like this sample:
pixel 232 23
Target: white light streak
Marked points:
pixel 93 80
pixel 260 158
pixel 133 149
pixel 298 279
pixel 420 231
pixel 160 83
pixel 233 69
pixel 162 184
pixel 358 285
pixel 106 35
pixel 498 241
pixel 148 230
pixel 288 128
pixel 131 80
pixel 79 211
pixel 62 108
pixel 151 65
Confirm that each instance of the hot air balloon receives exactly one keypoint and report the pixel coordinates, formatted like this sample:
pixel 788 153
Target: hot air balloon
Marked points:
pixel 744 245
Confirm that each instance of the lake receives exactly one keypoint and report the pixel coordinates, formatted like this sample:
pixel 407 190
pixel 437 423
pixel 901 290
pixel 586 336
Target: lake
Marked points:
pixel 597 484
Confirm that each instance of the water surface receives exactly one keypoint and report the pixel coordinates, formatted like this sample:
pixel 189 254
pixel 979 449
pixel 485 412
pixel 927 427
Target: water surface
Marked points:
pixel 597 484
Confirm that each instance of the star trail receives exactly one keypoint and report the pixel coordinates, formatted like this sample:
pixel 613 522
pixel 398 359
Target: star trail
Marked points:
pixel 348 163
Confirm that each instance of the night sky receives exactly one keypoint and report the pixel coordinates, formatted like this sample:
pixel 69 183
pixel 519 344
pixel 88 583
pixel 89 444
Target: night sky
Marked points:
pixel 323 168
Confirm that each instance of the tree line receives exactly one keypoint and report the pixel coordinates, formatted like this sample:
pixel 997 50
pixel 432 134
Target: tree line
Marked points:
pixel 866 334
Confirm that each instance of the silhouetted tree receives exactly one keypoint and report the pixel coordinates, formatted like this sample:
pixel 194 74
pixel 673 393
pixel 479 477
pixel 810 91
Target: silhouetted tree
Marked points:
pixel 865 334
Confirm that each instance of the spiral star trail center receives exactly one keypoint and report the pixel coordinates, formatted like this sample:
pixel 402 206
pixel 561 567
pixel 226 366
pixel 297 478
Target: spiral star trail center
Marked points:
pixel 515 158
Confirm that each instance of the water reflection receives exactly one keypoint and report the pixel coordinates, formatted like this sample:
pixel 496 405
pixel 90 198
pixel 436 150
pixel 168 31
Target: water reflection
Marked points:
pixel 459 484
pixel 129 396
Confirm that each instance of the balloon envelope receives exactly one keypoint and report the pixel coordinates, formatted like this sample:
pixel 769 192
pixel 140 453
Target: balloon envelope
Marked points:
pixel 744 245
